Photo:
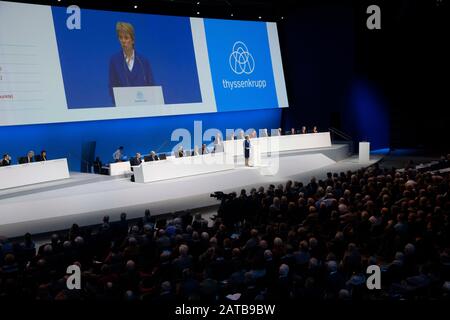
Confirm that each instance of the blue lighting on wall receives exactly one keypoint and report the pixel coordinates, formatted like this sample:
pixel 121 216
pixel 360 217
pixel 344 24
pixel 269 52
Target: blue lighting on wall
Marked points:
pixel 65 140
pixel 371 120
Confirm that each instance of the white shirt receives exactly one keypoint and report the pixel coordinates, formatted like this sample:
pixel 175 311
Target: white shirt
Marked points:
pixel 117 155
pixel 129 61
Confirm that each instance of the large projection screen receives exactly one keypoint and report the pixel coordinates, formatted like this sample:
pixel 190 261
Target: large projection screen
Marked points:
pixel 62 65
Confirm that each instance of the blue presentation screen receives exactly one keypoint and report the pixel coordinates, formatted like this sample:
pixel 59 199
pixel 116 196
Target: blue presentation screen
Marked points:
pixel 62 64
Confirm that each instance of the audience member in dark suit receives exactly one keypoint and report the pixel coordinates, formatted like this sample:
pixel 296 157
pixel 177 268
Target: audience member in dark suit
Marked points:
pixel 41 157
pixel 6 161
pixel 136 161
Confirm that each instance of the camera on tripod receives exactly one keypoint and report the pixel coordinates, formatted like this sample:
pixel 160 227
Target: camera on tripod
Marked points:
pixel 219 195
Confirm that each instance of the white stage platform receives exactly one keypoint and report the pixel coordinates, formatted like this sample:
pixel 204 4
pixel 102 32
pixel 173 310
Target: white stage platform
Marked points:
pixel 85 198
pixel 32 173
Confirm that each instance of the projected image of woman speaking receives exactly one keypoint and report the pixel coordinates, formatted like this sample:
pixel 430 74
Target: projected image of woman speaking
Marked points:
pixel 128 68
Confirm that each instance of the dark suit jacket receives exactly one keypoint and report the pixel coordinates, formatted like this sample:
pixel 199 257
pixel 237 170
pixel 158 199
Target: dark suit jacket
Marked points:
pixel 39 158
pixel 25 160
pixel 135 161
pixel 246 149
pixel 5 163
pixel 121 76
pixel 151 158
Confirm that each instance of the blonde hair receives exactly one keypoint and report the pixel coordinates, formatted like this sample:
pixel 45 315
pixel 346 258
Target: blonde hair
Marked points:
pixel 125 27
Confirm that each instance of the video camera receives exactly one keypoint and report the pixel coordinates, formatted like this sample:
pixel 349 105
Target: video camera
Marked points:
pixel 219 195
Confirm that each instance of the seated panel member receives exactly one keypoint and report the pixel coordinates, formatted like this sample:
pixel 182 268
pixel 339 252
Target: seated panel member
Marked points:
pixel 180 152
pixel 153 156
pixel 30 157
pixel 204 149
pixel 304 130
pixel 263 133
pixel 315 130
pixel 6 160
pixel 195 152
pixel 276 132
pixel 218 145
pixel 137 160
pixel 41 157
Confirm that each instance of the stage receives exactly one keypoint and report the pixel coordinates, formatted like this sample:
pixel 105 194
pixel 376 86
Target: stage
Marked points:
pixel 85 198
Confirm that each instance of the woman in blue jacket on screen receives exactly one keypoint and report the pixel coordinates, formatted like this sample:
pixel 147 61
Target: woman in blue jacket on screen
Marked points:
pixel 128 68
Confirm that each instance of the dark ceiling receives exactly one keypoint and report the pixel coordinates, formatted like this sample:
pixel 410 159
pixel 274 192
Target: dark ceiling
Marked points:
pixel 268 10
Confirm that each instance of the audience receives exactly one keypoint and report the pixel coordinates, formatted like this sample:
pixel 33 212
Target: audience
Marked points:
pixel 309 241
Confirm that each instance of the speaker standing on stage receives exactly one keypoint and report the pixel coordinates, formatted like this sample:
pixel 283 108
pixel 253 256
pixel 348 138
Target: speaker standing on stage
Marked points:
pixel 247 150
pixel 117 156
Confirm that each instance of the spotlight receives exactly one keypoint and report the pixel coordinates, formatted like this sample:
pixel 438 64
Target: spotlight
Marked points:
pixel 135 7
pixel 232 15
pixel 259 17
pixel 198 12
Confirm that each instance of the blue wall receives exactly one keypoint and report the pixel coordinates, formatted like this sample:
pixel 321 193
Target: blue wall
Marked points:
pixel 136 135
